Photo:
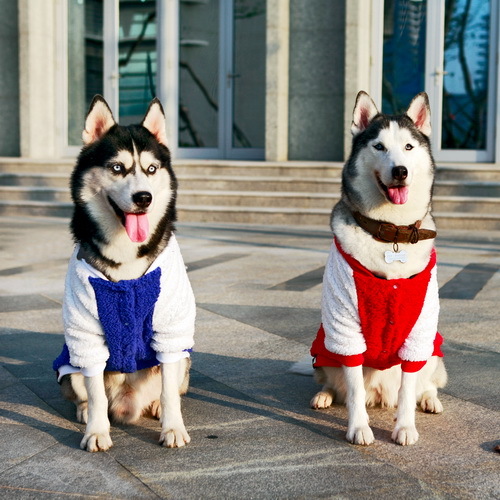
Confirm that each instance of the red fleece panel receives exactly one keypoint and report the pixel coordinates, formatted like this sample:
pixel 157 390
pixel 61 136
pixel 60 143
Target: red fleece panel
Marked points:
pixel 388 310
pixel 324 357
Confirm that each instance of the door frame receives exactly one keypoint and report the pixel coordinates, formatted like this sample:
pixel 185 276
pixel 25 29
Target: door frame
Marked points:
pixel 167 87
pixel 434 71
pixel 168 17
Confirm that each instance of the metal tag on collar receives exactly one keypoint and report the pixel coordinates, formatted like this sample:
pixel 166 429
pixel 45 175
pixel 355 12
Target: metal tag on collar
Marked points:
pixel 390 257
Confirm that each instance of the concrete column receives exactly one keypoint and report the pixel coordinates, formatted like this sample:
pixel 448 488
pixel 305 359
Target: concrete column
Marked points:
pixel 277 50
pixel 357 59
pixel 37 67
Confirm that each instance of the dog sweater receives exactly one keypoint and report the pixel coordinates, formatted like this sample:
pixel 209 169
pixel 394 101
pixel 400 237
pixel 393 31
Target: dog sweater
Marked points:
pixel 375 322
pixel 127 325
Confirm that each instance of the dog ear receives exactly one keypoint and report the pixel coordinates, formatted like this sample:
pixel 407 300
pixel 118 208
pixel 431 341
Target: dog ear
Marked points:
pixel 364 112
pixel 99 120
pixel 420 113
pixel 154 121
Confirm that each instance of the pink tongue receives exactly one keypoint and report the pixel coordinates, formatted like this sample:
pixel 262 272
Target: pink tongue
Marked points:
pixel 137 227
pixel 398 195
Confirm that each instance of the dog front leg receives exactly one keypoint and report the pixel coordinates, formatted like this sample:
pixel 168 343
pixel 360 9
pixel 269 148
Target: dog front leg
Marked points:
pixel 96 436
pixel 358 430
pixel 405 432
pixel 173 432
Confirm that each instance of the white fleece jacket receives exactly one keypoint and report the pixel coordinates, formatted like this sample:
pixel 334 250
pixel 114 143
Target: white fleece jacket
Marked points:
pixel 173 317
pixel 341 316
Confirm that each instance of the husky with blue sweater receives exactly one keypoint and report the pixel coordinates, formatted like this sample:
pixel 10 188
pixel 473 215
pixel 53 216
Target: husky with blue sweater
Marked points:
pixel 129 309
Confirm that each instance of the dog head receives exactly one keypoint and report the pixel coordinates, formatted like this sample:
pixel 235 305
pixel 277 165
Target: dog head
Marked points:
pixel 123 181
pixel 391 161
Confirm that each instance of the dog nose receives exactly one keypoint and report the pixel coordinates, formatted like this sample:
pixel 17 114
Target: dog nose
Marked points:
pixel 142 199
pixel 399 173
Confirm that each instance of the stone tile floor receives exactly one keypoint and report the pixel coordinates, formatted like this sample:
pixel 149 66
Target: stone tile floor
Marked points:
pixel 258 290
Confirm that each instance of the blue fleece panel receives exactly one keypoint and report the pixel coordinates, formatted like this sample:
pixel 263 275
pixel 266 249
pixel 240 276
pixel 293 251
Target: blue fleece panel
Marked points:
pixel 125 310
pixel 62 359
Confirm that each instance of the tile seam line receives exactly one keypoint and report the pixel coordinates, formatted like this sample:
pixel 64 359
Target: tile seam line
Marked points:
pixel 274 335
pixel 261 245
pixel 79 495
pixel 121 465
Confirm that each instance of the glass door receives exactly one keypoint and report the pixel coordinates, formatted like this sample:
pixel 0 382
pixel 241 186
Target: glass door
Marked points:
pixel 137 61
pixel 205 60
pixel 199 79
pixel 111 50
pixel 462 81
pixel 246 81
pixel 221 79
pixel 447 48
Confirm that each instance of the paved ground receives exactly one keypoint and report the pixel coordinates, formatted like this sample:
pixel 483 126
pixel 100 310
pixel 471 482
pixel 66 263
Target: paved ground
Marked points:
pixel 253 435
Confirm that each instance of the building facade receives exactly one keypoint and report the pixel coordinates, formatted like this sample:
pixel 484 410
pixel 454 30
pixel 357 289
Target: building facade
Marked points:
pixel 249 79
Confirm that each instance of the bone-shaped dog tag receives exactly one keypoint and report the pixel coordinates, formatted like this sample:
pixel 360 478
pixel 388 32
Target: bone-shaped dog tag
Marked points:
pixel 390 257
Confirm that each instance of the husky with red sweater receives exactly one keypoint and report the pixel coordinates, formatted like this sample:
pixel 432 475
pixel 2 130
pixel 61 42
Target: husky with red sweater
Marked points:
pixel 378 342
pixel 129 309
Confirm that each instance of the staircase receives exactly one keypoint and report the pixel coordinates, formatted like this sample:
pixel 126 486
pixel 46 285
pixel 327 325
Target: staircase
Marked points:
pixel 289 193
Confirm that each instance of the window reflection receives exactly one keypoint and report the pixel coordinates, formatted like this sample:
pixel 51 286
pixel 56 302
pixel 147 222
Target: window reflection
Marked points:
pixel 404 53
pixel 465 85
pixel 137 58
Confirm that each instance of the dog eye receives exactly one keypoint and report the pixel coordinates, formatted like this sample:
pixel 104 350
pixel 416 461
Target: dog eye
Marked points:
pixel 408 147
pixel 379 146
pixel 117 168
pixel 152 169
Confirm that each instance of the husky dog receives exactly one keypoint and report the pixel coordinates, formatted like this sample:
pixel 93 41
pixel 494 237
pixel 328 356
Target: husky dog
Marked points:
pixel 378 343
pixel 128 308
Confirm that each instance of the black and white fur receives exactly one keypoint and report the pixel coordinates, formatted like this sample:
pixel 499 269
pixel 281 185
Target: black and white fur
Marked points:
pixel 125 170
pixel 387 151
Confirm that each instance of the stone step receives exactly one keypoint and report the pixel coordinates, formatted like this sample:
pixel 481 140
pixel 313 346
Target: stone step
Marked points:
pixel 466 204
pixel 444 171
pixel 452 204
pixel 22 165
pixel 193 167
pixel 35 179
pixel 39 208
pixel 193 182
pixel 254 215
pixel 322 185
pixel 256 198
pixel 316 217
pixel 322 200
pixel 258 169
pixel 472 221
pixel 490 189
pixel 468 171
pixel 264 184
pixel 35 193
pixel 250 183
pixel 466 196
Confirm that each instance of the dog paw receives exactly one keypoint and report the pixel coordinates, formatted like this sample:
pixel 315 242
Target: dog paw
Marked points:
pixel 405 435
pixel 156 409
pixel 360 435
pixel 321 400
pixel 96 442
pixel 431 405
pixel 174 438
pixel 82 412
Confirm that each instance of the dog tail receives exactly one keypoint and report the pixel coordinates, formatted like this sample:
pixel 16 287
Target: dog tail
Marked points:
pixel 303 366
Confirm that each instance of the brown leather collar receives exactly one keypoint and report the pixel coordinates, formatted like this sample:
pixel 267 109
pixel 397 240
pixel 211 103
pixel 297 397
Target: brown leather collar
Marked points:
pixel 390 233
